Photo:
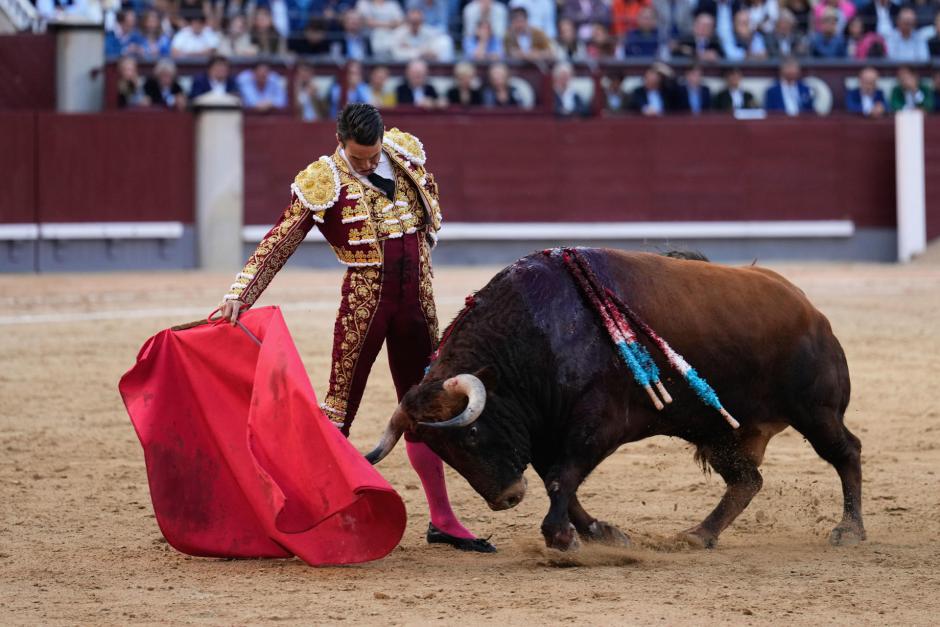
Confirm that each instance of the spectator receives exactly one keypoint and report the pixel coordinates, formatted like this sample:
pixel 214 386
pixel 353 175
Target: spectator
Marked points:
pixel 308 104
pixel 933 44
pixel 801 12
pixel 542 14
pixel 909 93
pixel 300 12
pixel 264 36
pixel 601 45
pixel 651 98
pixel 356 90
pixel 416 90
pixel 236 42
pixel 569 47
pixel 217 79
pixel 693 96
pixel 585 14
pixel 162 89
pixel 154 42
pixel 722 12
pixel 879 15
pixel 124 38
pixel 465 93
pixel 486 10
pixel 261 89
pixel 827 43
pixel 483 45
pixel 762 14
pixel 195 39
pixel 786 40
pixel 744 42
pixel 733 98
pixel 674 18
pixel 866 99
pixel 354 44
pixel 842 9
pixel 525 42
pixel 789 94
pixel 434 12
pixel 568 102
pixel 643 41
pixel 416 40
pixel 904 43
pixel 382 17
pixel 498 92
pixel 315 39
pixel 624 14
pixel 702 43
pixel 378 94
pixel 130 91
pixel 854 33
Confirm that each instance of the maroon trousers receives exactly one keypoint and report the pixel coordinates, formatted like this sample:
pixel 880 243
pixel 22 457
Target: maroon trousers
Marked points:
pixel 392 304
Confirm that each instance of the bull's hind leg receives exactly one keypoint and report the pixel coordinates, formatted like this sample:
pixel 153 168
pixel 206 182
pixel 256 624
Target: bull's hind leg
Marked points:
pixel 838 446
pixel 736 460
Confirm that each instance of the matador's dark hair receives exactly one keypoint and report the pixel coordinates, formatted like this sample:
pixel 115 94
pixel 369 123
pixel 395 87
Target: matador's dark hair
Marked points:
pixel 361 123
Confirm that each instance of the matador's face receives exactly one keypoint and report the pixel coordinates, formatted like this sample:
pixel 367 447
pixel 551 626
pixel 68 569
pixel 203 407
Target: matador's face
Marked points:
pixel 363 159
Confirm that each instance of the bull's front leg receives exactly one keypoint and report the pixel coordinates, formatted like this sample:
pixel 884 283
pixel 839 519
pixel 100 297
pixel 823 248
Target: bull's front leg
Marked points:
pixel 557 529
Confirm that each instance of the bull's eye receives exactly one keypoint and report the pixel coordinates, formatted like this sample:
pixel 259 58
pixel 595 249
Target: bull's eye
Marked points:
pixel 473 430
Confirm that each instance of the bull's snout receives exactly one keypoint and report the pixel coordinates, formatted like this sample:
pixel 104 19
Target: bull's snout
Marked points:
pixel 510 497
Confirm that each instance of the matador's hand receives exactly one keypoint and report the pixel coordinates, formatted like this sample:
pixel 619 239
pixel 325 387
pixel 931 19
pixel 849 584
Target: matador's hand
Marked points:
pixel 231 309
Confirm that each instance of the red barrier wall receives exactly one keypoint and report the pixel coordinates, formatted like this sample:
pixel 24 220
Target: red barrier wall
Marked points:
pixel 17 163
pixel 115 167
pixel 932 175
pixel 541 169
pixel 27 71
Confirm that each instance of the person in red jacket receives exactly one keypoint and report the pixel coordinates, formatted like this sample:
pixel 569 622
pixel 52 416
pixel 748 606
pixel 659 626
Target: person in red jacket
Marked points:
pixel 378 207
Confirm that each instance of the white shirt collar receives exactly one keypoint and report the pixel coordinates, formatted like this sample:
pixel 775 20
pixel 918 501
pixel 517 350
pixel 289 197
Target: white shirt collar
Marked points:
pixel 384 169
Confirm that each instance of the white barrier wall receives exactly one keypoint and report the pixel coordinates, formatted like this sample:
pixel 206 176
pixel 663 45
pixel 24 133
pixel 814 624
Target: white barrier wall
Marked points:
pixel 911 194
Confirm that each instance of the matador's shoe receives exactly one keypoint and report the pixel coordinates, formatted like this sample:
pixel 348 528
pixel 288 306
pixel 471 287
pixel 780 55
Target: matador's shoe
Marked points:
pixel 480 545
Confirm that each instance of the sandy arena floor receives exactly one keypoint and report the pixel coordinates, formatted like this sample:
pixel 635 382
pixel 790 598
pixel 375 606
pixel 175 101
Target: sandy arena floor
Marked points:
pixel 79 544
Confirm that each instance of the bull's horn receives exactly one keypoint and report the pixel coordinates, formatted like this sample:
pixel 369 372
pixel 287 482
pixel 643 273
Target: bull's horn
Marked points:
pixel 474 390
pixel 396 426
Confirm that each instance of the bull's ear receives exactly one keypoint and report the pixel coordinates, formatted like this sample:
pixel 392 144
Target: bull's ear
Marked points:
pixel 489 376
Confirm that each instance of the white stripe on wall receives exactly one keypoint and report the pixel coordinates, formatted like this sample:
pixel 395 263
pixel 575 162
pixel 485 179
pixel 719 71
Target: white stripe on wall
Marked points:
pixel 568 231
pixel 92 230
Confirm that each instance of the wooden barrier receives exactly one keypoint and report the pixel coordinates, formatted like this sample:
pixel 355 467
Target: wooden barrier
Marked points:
pixel 610 170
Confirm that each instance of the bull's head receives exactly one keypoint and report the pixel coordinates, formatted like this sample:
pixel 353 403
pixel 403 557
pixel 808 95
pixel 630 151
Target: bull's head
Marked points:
pixel 449 417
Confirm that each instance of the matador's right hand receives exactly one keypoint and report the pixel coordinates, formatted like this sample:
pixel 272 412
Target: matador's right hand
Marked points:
pixel 231 309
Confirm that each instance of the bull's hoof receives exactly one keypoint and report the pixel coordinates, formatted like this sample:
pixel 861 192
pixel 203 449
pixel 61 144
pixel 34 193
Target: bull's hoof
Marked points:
pixel 699 538
pixel 606 533
pixel 562 540
pixel 847 534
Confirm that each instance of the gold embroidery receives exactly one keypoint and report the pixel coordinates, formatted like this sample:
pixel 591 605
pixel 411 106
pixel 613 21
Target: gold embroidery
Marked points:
pixel 426 291
pixel 318 184
pixel 273 251
pixel 407 144
pixel 361 290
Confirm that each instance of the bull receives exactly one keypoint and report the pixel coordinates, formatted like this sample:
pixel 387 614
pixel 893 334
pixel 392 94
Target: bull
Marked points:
pixel 529 377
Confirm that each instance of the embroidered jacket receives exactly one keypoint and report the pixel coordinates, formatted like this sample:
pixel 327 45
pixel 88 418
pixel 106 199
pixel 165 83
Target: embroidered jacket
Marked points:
pixel 353 217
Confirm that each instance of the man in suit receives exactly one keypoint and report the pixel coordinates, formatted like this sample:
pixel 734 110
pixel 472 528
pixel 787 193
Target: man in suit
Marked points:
pixel 733 98
pixel 416 90
pixel 654 98
pixel 722 11
pixel 702 44
pixel 568 102
pixel 866 99
pixel 910 93
pixel 354 43
pixel 878 16
pixel 217 79
pixel 789 94
pixel 694 97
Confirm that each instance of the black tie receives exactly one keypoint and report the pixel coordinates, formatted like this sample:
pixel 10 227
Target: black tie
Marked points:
pixel 384 184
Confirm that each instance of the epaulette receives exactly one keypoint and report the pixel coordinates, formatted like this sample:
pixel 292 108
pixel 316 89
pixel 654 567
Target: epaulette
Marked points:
pixel 405 144
pixel 317 185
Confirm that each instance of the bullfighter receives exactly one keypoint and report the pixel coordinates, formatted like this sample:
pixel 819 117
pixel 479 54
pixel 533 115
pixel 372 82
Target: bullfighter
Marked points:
pixel 378 208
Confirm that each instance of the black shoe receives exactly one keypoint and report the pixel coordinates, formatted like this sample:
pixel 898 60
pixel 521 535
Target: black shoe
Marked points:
pixel 480 545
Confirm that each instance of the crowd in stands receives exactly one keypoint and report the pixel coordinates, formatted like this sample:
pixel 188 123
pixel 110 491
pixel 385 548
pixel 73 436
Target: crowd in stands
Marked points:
pixel 553 34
